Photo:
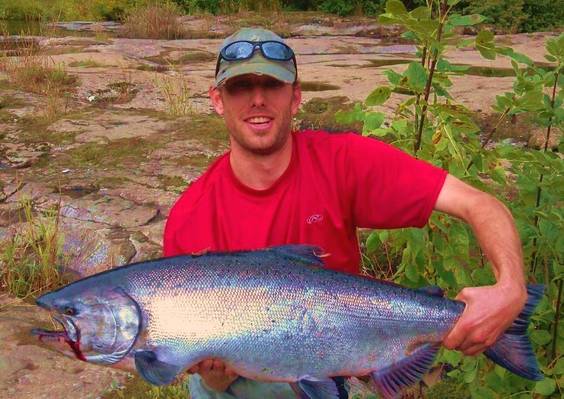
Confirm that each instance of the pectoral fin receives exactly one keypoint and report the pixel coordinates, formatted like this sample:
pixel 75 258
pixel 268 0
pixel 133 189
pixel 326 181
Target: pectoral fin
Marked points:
pixel 153 370
pixel 308 389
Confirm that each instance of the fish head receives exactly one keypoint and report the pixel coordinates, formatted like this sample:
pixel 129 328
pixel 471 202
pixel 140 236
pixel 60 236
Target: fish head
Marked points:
pixel 100 324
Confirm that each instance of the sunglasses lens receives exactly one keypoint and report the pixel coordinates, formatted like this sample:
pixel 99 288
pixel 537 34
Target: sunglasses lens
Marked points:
pixel 277 51
pixel 237 51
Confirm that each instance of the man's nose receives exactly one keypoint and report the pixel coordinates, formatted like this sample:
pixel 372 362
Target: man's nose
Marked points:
pixel 257 96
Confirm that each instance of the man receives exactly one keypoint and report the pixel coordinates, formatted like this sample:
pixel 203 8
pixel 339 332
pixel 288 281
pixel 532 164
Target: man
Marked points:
pixel 276 186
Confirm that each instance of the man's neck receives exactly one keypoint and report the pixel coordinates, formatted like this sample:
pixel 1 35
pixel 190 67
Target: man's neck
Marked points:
pixel 260 172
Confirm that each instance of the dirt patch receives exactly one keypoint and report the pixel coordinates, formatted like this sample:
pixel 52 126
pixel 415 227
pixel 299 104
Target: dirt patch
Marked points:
pixel 387 62
pixel 317 86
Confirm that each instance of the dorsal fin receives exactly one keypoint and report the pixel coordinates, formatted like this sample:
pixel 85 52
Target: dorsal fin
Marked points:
pixel 308 254
pixel 391 380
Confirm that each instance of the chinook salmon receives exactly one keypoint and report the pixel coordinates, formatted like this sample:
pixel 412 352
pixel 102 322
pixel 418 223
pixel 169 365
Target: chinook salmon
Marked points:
pixel 271 315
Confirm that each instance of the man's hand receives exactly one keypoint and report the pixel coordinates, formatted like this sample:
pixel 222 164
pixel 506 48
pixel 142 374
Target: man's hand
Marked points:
pixel 216 374
pixel 489 311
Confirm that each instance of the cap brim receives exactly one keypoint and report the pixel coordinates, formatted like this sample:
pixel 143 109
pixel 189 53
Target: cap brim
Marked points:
pixel 272 69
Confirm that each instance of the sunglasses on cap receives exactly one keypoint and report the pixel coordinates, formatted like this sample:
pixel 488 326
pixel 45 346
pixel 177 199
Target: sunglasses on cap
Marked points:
pixel 244 50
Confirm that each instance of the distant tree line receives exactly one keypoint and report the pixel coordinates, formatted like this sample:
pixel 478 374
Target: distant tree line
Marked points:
pixel 505 15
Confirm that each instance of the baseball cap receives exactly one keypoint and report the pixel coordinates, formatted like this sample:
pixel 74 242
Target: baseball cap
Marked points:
pixel 282 70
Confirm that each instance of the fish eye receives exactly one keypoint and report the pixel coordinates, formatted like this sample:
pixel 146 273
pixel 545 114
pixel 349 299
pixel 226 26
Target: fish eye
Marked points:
pixel 69 311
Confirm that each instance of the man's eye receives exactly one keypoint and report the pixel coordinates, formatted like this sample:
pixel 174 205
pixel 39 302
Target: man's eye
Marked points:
pixel 272 84
pixel 238 86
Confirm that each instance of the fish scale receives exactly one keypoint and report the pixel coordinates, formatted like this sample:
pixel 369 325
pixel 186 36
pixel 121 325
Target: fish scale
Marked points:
pixel 271 315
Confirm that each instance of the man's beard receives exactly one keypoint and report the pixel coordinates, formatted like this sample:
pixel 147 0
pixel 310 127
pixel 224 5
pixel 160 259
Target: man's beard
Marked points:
pixel 280 139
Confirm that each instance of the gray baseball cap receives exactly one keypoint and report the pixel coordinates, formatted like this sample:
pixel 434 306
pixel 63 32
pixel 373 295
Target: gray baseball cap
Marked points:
pixel 257 64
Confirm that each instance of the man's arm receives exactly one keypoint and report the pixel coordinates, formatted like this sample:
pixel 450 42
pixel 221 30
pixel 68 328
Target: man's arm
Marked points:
pixel 490 310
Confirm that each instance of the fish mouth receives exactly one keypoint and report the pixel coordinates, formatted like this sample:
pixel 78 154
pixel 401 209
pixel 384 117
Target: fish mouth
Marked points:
pixel 68 335
pixel 68 332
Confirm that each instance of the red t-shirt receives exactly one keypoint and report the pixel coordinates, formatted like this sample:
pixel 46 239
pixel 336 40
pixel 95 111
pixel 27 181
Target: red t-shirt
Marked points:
pixel 333 184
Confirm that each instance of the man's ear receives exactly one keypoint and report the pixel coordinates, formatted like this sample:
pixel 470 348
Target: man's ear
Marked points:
pixel 296 97
pixel 216 100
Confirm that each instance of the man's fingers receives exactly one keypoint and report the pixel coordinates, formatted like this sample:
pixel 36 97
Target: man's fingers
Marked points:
pixel 474 350
pixel 453 339
pixel 230 372
pixel 206 366
pixel 218 365
pixel 194 369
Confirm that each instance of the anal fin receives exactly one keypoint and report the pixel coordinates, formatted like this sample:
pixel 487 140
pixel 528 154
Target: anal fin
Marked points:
pixel 322 389
pixel 391 380
pixel 153 370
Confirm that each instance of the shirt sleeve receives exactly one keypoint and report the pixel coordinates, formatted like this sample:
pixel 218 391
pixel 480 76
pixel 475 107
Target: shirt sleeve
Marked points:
pixel 169 242
pixel 389 188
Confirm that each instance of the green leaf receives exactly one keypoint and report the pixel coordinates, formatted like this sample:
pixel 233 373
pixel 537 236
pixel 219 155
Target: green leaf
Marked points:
pixel 466 20
pixel 480 392
pixel 411 272
pixel 420 13
pixel 416 76
pixel 485 36
pixel 559 367
pixel 555 46
pixel 466 42
pixel 372 242
pixel 379 96
pixel 395 7
pixel 541 337
pixel 509 52
pixel 545 387
pixel 485 45
pixel 445 66
pixel 387 19
pixel 357 114
pixel 372 121
pixel 393 77
pixel 470 376
pixel 452 357
pixel 486 52
pixel 550 58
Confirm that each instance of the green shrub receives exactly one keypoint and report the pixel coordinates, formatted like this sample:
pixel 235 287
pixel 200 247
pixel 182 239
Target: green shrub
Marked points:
pixel 507 15
pixel 542 15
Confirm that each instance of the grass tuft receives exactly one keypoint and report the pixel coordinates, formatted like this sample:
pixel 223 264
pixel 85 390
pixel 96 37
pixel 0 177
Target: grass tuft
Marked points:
pixel 154 21
pixel 176 93
pixel 39 74
pixel 89 63
pixel 29 260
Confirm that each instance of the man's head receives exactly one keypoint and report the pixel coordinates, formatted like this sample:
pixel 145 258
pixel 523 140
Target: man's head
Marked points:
pixel 256 90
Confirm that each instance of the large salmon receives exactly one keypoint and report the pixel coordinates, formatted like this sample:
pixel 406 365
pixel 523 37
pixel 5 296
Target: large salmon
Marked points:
pixel 271 315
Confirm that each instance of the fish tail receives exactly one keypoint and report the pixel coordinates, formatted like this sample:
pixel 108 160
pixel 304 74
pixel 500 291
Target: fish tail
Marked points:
pixel 513 350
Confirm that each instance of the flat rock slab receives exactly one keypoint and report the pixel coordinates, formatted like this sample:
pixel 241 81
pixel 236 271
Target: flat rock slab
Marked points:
pixel 90 248
pixel 108 210
pixel 110 126
pixel 30 370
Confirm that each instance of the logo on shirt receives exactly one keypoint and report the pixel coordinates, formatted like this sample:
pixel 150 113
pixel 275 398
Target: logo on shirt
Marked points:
pixel 315 218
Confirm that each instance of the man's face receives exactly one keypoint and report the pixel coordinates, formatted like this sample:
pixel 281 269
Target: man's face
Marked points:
pixel 258 111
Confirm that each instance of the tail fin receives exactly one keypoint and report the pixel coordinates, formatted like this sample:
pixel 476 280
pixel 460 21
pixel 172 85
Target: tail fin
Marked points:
pixel 513 350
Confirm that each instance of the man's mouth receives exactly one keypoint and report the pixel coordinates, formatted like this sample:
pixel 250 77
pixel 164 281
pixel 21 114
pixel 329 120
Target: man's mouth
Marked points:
pixel 259 123
pixel 68 335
